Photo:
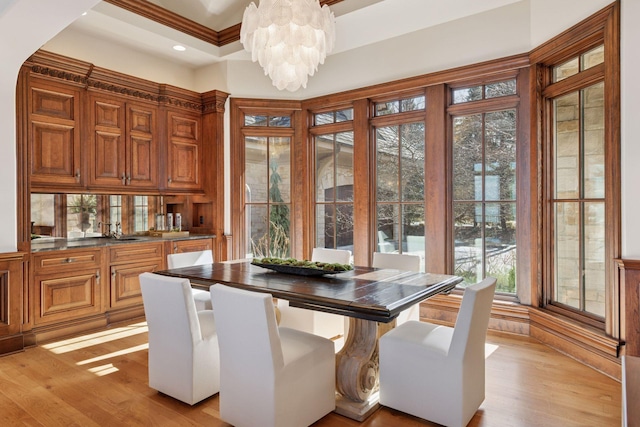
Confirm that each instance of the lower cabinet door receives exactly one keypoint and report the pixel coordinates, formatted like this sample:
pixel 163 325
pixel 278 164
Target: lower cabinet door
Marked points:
pixel 125 285
pixel 67 296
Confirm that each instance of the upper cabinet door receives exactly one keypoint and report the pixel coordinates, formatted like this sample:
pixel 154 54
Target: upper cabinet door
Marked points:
pixel 107 159
pixel 184 151
pixel 54 136
pixel 142 146
pixel 124 144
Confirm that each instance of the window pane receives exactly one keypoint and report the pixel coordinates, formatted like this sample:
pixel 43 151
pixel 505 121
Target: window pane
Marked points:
pixel 500 245
pixel 325 225
pixel 255 120
pixel 279 170
pixel 115 214
pixel 256 169
pixel 280 121
pixel 467 94
pixel 258 230
pixel 323 118
pixel 387 225
pixel 344 115
pixel 324 167
pixel 593 112
pixel 412 104
pixel 468 241
pixel 344 166
pixel 592 58
pixel 495 90
pixel 412 158
pixel 500 155
pixel 413 240
pixel 594 258
pixel 387 163
pixel 467 157
pixel 567 147
pixel 344 232
pixel 565 70
pixel 279 221
pixel 567 253
pixel 384 108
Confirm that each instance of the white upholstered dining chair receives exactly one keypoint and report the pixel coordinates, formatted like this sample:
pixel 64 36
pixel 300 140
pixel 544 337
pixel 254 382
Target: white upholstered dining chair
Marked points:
pixel 269 376
pixel 438 372
pixel 405 262
pixel 187 259
pixel 183 344
pixel 316 322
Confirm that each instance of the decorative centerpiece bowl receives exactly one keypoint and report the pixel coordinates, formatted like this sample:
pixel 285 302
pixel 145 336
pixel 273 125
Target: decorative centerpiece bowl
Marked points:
pixel 301 267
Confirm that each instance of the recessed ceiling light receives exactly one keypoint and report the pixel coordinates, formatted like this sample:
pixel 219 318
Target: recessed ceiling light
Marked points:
pixel 179 48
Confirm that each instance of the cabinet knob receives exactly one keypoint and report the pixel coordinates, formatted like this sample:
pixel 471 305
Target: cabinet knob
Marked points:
pixel 98 276
pixel 77 175
pixel 69 260
pixel 169 180
pixel 123 178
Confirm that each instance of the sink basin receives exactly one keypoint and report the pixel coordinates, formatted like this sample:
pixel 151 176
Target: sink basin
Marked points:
pixel 127 238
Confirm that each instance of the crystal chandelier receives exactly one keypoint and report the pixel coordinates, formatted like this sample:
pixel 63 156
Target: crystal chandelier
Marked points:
pixel 289 38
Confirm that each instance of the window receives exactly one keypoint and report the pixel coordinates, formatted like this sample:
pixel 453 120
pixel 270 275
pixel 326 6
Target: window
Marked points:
pixel 267 185
pixel 484 197
pixel 577 196
pixel 332 137
pixel 334 190
pixel 399 177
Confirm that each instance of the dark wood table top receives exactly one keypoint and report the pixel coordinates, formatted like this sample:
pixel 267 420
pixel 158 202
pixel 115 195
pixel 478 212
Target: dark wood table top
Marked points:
pixel 366 293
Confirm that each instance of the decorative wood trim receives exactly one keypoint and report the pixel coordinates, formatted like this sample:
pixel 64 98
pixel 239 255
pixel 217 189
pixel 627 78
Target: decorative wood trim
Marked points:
pixel 585 344
pixel 505 317
pixel 96 79
pixel 587 33
pixel 169 19
pixel 629 280
pixel 476 71
pixel 173 20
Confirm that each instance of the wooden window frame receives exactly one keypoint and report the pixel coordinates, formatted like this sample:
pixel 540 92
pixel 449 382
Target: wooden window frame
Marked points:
pixel 600 28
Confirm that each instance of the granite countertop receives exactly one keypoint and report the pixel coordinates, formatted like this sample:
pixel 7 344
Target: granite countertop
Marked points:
pixel 60 243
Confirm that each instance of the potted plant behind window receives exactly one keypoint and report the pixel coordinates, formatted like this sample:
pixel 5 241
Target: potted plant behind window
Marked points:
pixel 83 205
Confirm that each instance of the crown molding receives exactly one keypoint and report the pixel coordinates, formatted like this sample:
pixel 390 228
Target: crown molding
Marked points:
pixel 177 22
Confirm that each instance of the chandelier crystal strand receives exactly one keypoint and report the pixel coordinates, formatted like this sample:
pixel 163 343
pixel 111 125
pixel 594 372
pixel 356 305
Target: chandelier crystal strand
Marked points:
pixel 288 38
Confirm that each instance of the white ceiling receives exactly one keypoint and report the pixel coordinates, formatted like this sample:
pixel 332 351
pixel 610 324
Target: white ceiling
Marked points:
pixel 358 23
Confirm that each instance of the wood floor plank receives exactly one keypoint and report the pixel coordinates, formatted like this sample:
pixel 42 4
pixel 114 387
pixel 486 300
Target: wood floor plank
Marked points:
pixel 100 379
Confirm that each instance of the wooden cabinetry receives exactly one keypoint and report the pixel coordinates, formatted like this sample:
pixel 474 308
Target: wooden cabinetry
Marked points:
pixel 180 246
pixel 11 287
pixel 184 151
pixel 124 147
pixel 67 285
pixel 127 262
pixel 54 144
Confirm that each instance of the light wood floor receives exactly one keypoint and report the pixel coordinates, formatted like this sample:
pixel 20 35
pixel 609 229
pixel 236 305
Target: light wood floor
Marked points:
pixel 100 379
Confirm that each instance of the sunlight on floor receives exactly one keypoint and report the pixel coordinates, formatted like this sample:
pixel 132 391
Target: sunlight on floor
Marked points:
pixel 71 344
pixel 114 354
pixel 104 370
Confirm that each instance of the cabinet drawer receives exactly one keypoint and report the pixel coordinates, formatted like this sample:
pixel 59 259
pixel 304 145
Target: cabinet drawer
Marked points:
pixel 180 246
pixel 67 260
pixel 135 251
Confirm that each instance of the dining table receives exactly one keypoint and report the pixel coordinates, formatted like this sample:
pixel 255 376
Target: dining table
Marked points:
pixel 372 298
